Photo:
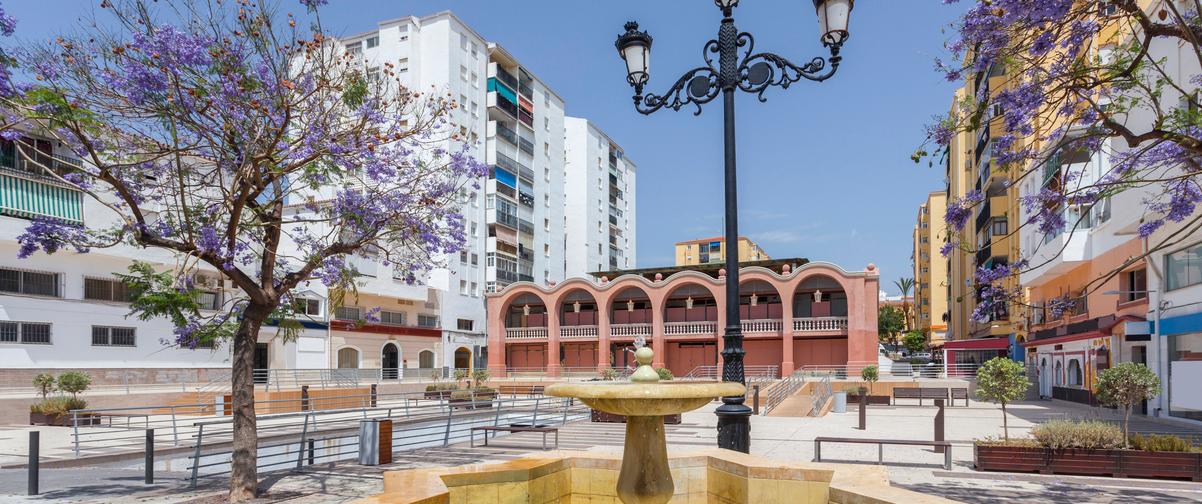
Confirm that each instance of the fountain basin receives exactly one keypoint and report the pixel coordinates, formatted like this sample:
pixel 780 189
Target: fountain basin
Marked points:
pixel 646 399
pixel 710 476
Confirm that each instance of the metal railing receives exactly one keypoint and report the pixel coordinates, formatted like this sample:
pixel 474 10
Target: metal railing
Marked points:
pixel 898 371
pixel 819 324
pixel 820 392
pixel 749 372
pixel 291 441
pixel 782 390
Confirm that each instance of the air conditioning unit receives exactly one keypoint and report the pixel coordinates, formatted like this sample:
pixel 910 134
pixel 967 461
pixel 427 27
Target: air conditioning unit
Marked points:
pixel 207 282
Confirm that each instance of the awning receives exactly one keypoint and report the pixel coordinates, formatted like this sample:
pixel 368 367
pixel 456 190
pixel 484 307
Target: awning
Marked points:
pixel 27 198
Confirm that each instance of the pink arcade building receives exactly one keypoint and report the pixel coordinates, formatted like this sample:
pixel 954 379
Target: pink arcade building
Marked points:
pixel 794 314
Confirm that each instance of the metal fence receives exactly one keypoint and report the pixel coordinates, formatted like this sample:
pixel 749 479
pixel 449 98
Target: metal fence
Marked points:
pixel 820 393
pixel 782 390
pixel 896 371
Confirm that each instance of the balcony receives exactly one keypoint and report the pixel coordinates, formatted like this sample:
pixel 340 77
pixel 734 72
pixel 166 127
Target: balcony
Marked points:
pixel 761 326
pixel 526 117
pixel 707 328
pixel 820 324
pixel 578 332
pixel 526 146
pixel 507 133
pixel 525 333
pixel 27 191
pixel 630 330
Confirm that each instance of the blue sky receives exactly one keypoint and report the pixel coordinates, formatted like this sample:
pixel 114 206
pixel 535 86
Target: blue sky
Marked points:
pixel 824 169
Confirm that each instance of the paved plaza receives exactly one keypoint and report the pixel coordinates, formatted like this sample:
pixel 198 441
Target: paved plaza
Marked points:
pixel 782 438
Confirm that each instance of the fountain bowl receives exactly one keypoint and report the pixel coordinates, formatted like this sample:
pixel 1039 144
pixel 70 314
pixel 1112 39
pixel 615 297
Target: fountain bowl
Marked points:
pixel 646 399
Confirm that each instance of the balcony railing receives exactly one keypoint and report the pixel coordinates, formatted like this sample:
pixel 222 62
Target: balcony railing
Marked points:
pixel 630 330
pixel 526 333
pixel 578 332
pixel 689 328
pixel 761 326
pixel 819 324
pixel 507 133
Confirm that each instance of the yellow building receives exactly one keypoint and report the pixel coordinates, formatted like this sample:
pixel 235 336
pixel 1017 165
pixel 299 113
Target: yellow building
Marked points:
pixel 713 250
pixel 930 269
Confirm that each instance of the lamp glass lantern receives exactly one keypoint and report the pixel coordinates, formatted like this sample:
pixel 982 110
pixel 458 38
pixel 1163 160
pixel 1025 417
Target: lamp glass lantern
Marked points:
pixel 635 48
pixel 833 16
pixel 726 5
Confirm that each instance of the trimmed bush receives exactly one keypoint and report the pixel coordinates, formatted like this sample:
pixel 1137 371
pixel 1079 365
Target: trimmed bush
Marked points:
pixel 441 387
pixel 58 406
pixel 1161 443
pixel 609 374
pixel 665 374
pixel 1085 434
pixel 74 382
pixel 44 383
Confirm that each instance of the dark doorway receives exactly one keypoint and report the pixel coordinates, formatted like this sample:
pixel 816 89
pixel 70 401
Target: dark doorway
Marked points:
pixel 463 358
pixel 389 358
pixel 1139 355
pixel 261 360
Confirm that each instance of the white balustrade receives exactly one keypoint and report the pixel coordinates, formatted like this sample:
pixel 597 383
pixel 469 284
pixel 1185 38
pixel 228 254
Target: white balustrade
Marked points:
pixel 820 324
pixel 630 330
pixel 761 326
pixel 690 328
pixel 526 333
pixel 578 332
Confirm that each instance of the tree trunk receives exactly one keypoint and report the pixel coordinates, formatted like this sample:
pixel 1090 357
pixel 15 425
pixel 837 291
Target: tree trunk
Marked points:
pixel 244 477
pixel 1005 424
pixel 1126 431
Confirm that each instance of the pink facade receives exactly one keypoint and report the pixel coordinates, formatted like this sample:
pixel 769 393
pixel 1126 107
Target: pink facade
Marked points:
pixel 815 315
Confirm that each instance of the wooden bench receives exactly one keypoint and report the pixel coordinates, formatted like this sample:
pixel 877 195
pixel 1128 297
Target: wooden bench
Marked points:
pixel 515 390
pixel 880 443
pixel 959 393
pixel 919 393
pixel 511 428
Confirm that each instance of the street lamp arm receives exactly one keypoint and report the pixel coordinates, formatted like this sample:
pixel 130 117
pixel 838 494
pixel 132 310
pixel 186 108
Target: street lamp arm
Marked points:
pixel 697 86
pixel 759 71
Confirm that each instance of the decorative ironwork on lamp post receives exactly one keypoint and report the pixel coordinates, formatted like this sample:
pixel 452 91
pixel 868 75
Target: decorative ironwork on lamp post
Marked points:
pixel 738 67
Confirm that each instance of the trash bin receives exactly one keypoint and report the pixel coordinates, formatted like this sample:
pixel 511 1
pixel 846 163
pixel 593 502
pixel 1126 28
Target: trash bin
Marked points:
pixel 375 441
pixel 840 403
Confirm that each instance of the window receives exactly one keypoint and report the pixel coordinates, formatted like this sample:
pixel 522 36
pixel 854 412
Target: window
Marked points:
pixel 304 306
pixel 99 289
pixel 208 300
pixel 475 259
pixel 463 41
pixel 403 65
pixel 348 358
pixel 25 332
pixel 463 256
pixel 112 336
pixel 462 73
pixel 475 289
pixel 463 100
pixel 1074 372
pixel 547 249
pixel 348 313
pixel 1001 227
pixel 1134 285
pixel 392 318
pixel 29 282
pixel 1182 268
pixel 475 80
pixel 475 109
pixel 354 49
pixel 475 230
pixel 463 287
pixel 547 124
pixel 464 324
pixel 425 359
pixel 475 50
pixel 546 224
pixel 373 42
pixel 404 29
pixel 547 153
pixel 424 320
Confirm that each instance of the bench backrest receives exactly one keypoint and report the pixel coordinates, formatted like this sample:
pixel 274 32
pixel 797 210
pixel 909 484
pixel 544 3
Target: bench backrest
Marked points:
pixel 933 393
pixel 959 393
pixel 906 392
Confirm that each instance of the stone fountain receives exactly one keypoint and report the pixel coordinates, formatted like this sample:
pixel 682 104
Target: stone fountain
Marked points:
pixel 645 477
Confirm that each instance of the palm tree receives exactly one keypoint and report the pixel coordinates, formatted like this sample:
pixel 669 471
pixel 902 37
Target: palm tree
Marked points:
pixel 904 284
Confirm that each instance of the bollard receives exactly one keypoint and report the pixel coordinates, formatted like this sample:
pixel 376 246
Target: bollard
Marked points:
pixel 864 411
pixel 311 452
pixel 304 398
pixel 33 463
pixel 939 425
pixel 755 399
pixel 149 456
pixel 374 395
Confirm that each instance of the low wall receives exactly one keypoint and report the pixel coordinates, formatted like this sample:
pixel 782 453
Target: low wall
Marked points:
pixel 22 379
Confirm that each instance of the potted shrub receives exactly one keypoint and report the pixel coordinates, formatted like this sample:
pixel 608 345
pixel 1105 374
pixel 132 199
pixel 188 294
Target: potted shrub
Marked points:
pixel 476 398
pixel 44 384
pixel 57 410
pixel 609 374
pixel 439 390
pixel 665 374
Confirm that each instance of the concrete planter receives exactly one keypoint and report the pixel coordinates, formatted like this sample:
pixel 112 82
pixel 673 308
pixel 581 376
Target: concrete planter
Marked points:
pixel 873 400
pixel 1118 463
pixel 86 419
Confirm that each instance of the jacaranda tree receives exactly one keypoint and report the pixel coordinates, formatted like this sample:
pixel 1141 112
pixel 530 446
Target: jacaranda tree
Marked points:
pixel 1081 78
pixel 238 135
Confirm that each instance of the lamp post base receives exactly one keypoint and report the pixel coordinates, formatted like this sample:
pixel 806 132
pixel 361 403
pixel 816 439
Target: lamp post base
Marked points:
pixel 734 425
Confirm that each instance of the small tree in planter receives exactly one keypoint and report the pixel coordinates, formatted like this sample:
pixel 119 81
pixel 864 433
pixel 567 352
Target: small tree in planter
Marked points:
pixel 665 374
pixel 74 382
pixel 460 375
pixel 1002 380
pixel 870 374
pixel 1124 386
pixel 44 383
pixel 479 376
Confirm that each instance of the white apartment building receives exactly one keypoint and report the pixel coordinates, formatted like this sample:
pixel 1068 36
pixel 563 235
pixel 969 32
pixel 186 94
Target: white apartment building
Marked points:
pixel 599 202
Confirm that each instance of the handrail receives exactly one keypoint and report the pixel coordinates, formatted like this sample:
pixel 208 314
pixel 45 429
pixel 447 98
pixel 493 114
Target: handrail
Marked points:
pixel 821 393
pixel 782 390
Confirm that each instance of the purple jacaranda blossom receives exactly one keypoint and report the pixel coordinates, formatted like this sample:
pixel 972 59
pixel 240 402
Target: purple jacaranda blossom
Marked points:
pixel 960 209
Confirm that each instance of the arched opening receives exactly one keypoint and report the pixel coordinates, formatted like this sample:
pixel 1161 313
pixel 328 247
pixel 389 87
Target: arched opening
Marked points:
pixel 526 333
pixel 425 359
pixel 348 358
pixel 819 324
pixel 578 313
pixel 630 317
pixel 390 360
pixel 691 327
pixel 463 358
pixel 1074 373
pixel 1059 374
pixel 760 311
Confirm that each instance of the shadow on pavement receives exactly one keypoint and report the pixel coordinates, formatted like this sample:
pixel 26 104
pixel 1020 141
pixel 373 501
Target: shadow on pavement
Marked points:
pixel 1056 494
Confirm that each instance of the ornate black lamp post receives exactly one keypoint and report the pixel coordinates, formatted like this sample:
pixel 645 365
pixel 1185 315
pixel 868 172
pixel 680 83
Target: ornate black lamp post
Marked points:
pixel 739 67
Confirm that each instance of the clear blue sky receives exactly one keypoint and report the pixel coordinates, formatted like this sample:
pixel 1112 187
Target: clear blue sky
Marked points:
pixel 824 169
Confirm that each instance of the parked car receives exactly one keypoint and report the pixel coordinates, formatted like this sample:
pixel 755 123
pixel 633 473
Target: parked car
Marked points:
pixel 922 355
